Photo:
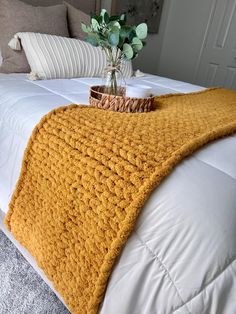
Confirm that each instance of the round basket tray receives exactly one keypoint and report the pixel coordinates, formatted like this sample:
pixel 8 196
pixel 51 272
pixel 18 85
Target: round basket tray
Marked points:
pixel 118 103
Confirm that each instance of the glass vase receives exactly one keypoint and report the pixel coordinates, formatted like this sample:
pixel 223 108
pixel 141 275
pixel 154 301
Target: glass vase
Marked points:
pixel 114 80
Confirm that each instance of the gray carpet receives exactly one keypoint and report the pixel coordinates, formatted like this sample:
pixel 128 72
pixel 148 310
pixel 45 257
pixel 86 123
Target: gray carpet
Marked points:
pixel 22 291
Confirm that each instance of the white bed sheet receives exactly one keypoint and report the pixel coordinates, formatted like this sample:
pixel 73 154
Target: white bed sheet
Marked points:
pixel 181 257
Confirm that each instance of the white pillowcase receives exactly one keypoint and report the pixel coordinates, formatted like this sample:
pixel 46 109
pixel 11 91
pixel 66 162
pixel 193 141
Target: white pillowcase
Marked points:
pixel 55 57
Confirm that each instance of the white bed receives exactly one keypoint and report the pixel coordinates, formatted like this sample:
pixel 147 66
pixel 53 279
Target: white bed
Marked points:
pixel 181 256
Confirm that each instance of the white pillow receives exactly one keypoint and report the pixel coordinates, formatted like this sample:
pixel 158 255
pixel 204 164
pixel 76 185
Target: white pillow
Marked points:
pixel 55 57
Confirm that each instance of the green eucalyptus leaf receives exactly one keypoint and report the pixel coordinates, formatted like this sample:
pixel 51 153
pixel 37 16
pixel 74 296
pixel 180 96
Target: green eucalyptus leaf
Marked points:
pixel 137 44
pixel 132 35
pixel 106 18
pixel 123 17
pixel 93 39
pixel 103 12
pixel 115 29
pixel 85 28
pixel 113 39
pixel 95 24
pixel 98 18
pixel 115 23
pixel 128 51
pixel 125 31
pixel 114 36
pixel 141 30
pixel 121 42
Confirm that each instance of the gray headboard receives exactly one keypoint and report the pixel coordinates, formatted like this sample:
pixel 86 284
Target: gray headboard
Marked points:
pixel 87 6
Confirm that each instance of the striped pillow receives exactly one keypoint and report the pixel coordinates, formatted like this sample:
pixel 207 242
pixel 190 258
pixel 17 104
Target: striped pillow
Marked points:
pixel 55 57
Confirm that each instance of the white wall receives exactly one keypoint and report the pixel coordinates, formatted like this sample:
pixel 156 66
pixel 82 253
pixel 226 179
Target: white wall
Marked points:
pixel 183 38
pixel 148 59
pixel 106 4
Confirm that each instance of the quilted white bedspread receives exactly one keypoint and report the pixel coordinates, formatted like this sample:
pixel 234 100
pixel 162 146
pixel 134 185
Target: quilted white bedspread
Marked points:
pixel 181 257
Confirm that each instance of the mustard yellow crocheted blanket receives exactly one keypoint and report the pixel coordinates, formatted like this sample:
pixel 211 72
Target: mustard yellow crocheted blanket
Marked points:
pixel 86 175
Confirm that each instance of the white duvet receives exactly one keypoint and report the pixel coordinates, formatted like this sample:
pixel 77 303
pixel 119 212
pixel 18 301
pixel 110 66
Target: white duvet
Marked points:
pixel 181 256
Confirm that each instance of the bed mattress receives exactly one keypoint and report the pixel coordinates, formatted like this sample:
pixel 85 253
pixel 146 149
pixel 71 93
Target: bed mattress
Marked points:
pixel 181 255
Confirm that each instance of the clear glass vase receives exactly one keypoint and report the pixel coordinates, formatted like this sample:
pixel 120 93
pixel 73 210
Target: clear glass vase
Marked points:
pixel 114 79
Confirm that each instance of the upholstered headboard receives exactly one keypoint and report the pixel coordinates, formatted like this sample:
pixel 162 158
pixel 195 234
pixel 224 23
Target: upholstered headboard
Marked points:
pixel 87 6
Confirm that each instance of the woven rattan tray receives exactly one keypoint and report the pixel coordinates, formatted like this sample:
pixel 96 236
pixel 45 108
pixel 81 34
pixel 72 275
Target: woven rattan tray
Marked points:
pixel 118 103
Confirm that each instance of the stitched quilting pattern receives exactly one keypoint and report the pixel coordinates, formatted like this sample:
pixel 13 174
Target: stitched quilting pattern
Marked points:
pixel 86 175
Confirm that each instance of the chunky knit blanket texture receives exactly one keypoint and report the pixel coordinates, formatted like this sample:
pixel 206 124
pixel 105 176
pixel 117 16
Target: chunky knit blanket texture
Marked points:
pixel 86 175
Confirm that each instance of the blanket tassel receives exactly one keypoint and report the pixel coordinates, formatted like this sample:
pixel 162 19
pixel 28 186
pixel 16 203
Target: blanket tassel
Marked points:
pixel 15 44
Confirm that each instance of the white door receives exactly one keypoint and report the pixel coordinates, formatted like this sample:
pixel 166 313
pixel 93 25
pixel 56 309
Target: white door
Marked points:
pixel 217 66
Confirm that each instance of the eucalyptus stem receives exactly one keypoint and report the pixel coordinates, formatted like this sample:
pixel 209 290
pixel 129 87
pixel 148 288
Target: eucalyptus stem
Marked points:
pixel 113 61
pixel 114 82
